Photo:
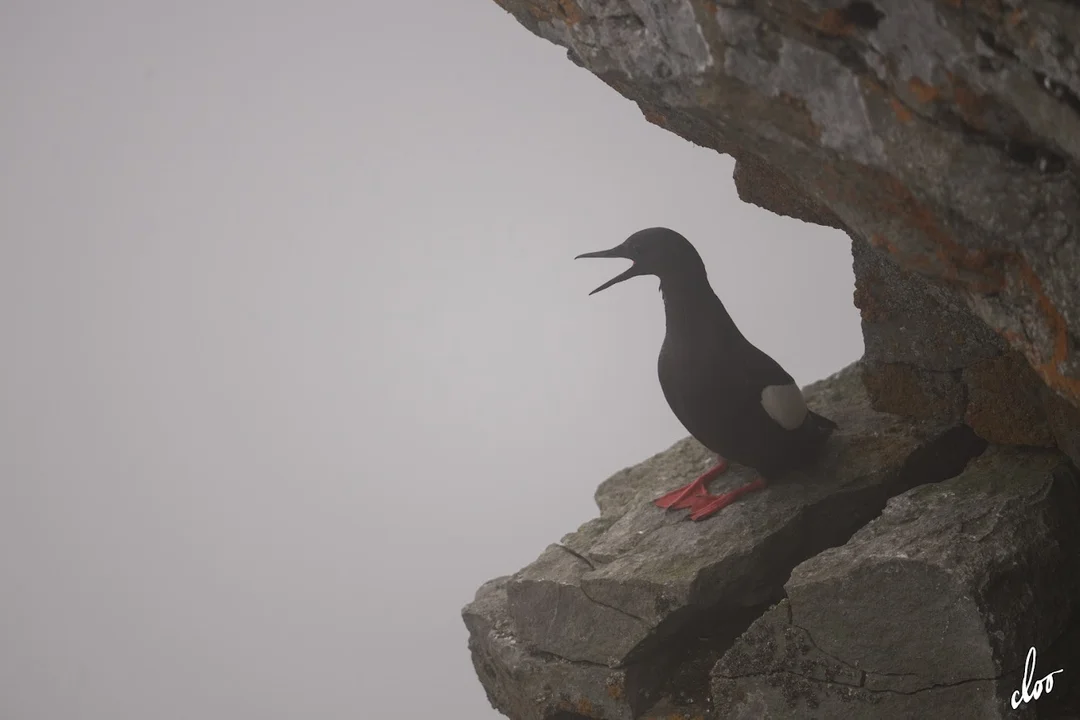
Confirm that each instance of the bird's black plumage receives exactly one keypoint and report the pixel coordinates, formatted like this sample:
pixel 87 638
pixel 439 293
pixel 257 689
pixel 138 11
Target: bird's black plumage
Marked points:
pixel 712 376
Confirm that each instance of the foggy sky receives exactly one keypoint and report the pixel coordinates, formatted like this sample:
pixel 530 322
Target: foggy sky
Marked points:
pixel 295 354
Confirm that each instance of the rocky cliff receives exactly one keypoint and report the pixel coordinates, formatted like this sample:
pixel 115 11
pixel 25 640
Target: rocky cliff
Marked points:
pixel 909 573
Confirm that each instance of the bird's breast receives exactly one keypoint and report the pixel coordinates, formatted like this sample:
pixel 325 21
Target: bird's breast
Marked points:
pixel 701 393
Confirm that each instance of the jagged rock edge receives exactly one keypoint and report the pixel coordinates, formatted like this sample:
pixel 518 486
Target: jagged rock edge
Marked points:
pixel 660 642
pixel 863 673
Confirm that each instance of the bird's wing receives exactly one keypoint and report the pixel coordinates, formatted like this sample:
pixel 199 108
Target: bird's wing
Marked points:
pixel 762 370
pixel 779 395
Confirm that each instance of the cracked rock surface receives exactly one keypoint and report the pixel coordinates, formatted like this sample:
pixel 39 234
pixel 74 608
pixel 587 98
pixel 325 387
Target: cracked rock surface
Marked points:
pixel 630 611
pixel 928 611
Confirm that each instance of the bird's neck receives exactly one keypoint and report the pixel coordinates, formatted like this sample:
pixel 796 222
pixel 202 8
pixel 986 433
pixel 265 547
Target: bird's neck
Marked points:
pixel 691 307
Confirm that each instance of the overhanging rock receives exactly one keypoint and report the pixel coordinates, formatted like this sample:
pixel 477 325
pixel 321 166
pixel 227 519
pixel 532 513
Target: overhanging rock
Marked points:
pixel 945 133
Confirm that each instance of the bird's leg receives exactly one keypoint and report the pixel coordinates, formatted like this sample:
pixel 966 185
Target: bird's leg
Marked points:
pixel 703 507
pixel 684 497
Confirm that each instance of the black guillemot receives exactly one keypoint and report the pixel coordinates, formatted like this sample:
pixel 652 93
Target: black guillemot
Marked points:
pixel 733 398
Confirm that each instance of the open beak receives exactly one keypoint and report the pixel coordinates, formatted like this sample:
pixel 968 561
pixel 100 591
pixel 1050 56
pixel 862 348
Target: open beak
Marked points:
pixel 615 252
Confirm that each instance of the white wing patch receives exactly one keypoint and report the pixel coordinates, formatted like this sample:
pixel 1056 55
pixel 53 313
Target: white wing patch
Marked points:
pixel 785 405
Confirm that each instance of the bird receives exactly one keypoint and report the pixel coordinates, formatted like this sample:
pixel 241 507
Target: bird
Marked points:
pixel 730 396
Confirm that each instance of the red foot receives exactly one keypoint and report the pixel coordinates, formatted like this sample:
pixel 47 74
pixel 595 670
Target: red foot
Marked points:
pixel 685 496
pixel 705 506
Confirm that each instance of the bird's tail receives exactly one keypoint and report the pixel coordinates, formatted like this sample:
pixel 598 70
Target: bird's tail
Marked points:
pixel 818 430
pixel 815 434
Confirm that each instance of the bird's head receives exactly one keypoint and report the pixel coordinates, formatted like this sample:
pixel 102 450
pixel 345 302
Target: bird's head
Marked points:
pixel 654 251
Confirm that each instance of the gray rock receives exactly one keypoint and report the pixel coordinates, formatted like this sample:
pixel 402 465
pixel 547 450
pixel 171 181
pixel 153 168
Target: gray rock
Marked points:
pixel 615 594
pixel 758 183
pixel 649 594
pixel 910 321
pixel 928 611
pixel 525 685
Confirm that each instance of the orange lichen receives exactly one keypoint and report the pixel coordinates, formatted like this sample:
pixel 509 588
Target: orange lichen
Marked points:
pixel 801 122
pixel 911 260
pixel 980 272
pixel 584 707
pixel 570 11
pixel 1012 337
pixel 545 10
pixel 834 22
pixel 654 116
pixel 881 243
pixel 969 103
pixel 954 258
pixel 870 86
pixel 902 113
pixel 922 91
pixel 1050 371
pixel 614 688
pixel 989 269
pixel 538 13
